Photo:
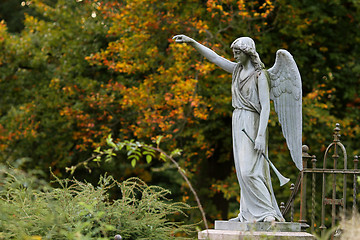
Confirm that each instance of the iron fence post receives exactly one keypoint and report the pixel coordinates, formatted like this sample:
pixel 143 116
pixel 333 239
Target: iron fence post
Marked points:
pixel 305 157
pixel 313 191
pixel 356 161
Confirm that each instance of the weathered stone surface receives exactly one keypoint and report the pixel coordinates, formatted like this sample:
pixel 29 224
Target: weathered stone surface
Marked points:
pixel 258 226
pixel 213 234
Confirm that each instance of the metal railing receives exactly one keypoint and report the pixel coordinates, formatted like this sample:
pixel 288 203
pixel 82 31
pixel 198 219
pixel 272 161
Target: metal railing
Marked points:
pixel 329 173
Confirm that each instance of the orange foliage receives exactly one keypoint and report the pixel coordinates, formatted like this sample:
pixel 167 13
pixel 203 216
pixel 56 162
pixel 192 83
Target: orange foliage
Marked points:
pixel 164 98
pixel 245 9
pixel 24 126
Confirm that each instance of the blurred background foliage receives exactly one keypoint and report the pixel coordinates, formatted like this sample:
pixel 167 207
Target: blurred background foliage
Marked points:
pixel 73 72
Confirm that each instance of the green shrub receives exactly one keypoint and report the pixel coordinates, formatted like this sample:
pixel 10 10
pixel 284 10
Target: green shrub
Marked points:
pixel 78 210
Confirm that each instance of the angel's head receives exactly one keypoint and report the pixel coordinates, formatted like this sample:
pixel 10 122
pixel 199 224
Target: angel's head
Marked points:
pixel 245 45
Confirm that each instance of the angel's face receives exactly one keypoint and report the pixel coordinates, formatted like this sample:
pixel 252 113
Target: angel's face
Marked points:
pixel 240 56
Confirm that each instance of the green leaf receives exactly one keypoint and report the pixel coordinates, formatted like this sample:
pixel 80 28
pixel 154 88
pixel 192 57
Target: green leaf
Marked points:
pixel 108 158
pixel 97 149
pixel 97 159
pixel 110 142
pixel 163 157
pixel 158 140
pixel 137 151
pixel 148 158
pixel 149 152
pixel 133 162
pixel 176 152
pixel 133 156
pixel 130 152
pixel 120 145
pixel 128 148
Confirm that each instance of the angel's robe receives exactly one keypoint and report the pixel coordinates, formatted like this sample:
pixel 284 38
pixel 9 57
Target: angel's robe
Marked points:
pixel 257 199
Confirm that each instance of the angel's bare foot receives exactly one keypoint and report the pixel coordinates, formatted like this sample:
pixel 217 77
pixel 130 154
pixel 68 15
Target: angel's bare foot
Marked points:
pixel 269 219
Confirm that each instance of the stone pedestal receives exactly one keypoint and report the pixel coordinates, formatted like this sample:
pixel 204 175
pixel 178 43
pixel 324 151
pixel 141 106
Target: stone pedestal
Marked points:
pixel 213 234
pixel 225 230
pixel 258 226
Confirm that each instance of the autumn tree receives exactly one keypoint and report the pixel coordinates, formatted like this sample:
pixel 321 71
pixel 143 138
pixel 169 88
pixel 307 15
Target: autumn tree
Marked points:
pixel 45 75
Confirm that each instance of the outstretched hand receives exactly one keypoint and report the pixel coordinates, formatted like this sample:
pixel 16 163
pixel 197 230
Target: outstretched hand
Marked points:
pixel 183 39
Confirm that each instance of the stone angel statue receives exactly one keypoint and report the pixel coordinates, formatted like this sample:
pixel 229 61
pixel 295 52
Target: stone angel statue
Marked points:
pixel 252 88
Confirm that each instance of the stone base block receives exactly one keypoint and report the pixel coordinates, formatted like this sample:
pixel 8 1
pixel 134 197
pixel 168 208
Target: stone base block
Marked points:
pixel 213 234
pixel 258 226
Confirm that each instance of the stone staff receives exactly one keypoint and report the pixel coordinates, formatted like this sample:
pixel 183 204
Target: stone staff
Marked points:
pixel 283 180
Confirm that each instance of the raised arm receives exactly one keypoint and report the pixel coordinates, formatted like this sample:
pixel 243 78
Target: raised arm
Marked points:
pixel 207 52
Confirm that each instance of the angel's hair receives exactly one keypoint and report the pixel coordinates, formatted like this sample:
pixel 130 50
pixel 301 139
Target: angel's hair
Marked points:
pixel 247 45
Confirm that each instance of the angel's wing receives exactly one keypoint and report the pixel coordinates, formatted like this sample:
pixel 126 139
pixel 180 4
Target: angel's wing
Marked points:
pixel 286 92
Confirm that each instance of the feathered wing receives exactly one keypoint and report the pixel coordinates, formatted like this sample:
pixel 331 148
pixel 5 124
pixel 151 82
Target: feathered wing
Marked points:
pixel 286 93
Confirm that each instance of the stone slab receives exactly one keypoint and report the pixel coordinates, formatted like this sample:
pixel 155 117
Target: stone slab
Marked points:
pixel 258 226
pixel 213 234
